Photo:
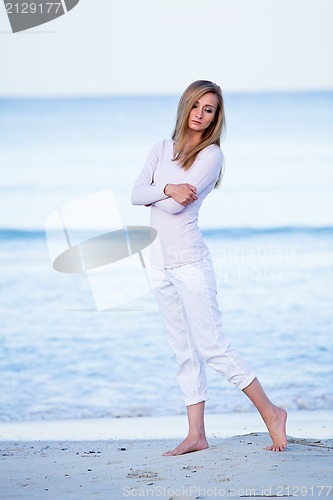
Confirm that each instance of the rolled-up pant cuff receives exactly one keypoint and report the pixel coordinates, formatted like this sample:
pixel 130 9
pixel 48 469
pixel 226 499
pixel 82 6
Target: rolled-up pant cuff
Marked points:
pixel 247 381
pixel 195 401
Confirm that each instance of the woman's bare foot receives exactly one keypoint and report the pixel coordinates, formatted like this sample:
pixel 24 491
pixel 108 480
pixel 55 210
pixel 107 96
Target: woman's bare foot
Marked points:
pixel 276 426
pixel 273 416
pixel 189 445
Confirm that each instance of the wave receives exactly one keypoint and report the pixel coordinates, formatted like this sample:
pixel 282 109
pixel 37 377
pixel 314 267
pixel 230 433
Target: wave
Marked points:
pixel 225 232
pixel 241 232
pixel 21 234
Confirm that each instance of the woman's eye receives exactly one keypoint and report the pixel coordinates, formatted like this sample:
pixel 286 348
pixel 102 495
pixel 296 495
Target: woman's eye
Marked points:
pixel 208 110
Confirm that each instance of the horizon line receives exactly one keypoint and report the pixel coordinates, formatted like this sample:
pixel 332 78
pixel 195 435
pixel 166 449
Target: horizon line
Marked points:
pixel 161 94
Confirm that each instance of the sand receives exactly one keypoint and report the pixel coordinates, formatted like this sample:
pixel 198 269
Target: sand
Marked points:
pixel 236 466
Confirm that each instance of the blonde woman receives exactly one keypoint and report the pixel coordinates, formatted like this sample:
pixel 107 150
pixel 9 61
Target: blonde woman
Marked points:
pixel 178 175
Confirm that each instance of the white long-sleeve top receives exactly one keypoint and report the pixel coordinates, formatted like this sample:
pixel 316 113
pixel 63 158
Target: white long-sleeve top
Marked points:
pixel 176 225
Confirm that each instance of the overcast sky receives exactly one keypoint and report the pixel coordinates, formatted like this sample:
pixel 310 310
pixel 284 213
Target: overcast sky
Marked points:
pixel 159 46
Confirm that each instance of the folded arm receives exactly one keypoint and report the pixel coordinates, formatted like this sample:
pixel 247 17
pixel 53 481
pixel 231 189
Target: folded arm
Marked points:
pixel 204 171
pixel 145 191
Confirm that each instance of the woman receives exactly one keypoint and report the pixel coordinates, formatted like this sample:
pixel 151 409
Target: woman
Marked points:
pixel 175 179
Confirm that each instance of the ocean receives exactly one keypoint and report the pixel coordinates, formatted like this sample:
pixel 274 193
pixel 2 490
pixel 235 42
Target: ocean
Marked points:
pixel 268 226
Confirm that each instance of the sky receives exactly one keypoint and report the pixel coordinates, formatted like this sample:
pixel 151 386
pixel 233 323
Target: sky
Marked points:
pixel 112 47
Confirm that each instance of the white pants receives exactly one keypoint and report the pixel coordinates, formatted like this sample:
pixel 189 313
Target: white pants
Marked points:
pixel 187 300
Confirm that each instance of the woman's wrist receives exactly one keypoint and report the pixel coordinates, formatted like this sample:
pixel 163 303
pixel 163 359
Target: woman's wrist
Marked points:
pixel 166 189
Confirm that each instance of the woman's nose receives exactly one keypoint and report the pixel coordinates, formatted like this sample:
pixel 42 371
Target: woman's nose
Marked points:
pixel 198 112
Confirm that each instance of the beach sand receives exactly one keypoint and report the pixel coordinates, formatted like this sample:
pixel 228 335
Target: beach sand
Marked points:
pixel 118 467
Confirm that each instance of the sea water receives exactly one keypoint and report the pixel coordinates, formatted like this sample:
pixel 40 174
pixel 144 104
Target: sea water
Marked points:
pixel 269 229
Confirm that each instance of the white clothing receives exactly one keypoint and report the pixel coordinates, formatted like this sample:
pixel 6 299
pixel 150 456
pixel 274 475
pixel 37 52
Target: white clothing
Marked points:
pixel 176 225
pixel 183 279
pixel 186 296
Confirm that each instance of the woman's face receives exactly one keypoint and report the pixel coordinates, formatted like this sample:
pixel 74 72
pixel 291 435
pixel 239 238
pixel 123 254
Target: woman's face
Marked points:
pixel 203 112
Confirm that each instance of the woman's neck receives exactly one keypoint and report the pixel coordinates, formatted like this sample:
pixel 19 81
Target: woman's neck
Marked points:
pixel 192 139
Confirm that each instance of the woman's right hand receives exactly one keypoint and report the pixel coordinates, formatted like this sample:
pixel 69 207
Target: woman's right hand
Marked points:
pixel 183 193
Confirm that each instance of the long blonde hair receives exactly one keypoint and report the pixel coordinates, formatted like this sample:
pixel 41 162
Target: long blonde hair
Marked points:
pixel 210 136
